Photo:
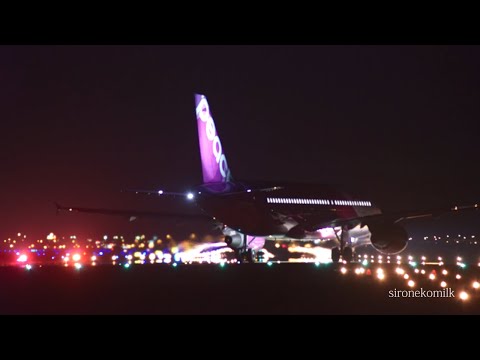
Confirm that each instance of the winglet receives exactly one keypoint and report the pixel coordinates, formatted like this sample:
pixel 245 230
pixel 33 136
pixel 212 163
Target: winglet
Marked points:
pixel 61 208
pixel 58 207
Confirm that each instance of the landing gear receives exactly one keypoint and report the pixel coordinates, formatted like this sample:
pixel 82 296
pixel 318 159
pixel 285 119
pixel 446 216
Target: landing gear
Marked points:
pixel 344 250
pixel 347 254
pixel 244 254
pixel 335 254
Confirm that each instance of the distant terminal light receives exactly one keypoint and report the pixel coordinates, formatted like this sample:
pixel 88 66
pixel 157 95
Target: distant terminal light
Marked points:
pixel 160 192
pixel 190 196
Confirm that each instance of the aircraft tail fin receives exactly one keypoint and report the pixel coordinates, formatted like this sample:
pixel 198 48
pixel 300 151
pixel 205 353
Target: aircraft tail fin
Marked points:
pixel 214 163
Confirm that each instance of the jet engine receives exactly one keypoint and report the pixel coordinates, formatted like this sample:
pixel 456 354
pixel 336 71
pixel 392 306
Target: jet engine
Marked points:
pixel 388 238
pixel 234 241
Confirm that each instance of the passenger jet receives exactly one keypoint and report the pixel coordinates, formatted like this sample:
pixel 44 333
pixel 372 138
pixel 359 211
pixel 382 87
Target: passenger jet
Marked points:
pixel 252 212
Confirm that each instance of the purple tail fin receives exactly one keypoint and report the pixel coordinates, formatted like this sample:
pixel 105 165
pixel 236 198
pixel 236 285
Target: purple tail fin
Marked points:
pixel 214 163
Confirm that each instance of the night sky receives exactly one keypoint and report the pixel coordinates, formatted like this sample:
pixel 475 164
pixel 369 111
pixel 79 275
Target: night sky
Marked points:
pixel 397 125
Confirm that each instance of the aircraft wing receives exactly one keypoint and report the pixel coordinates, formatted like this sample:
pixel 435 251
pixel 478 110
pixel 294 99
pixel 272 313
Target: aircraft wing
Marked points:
pixel 393 217
pixel 133 214
pixel 155 192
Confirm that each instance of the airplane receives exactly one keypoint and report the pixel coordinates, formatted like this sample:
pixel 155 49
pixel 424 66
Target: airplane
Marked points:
pixel 252 212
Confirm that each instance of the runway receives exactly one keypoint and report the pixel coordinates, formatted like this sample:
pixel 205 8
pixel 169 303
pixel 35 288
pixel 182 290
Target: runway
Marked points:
pixel 291 288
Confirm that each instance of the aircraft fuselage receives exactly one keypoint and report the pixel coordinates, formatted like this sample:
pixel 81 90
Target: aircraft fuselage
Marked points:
pixel 279 209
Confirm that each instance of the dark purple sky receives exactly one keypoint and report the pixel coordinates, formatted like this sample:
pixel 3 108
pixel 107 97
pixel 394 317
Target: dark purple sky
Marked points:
pixel 398 124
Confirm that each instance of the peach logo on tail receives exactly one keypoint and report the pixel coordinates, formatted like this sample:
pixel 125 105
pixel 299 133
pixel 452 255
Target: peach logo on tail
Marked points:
pixel 203 113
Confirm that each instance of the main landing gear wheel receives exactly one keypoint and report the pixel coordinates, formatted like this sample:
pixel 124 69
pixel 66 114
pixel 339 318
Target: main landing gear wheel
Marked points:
pixel 251 256
pixel 335 254
pixel 247 256
pixel 347 254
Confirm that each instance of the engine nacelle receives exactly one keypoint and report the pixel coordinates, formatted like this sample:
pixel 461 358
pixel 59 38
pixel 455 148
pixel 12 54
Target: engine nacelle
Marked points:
pixel 388 238
pixel 234 241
